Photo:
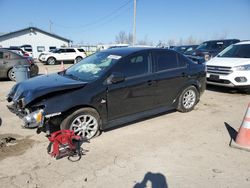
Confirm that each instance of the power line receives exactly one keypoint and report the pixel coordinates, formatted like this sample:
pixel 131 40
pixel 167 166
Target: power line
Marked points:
pixel 101 19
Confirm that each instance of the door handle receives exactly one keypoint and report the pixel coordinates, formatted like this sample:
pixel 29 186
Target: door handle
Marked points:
pixel 151 82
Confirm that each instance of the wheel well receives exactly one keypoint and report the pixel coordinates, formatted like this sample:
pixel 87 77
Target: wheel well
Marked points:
pixel 77 108
pixel 51 57
pixel 78 56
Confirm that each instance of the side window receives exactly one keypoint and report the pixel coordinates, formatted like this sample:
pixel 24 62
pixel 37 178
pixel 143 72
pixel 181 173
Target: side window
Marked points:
pixel 165 60
pixel 134 66
pixel 70 50
pixel 182 60
pixel 52 47
pixel 40 48
pixel 1 55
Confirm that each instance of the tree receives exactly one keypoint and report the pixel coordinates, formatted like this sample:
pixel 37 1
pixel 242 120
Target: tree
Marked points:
pixel 124 38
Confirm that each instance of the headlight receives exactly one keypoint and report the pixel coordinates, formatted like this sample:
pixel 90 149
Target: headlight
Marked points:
pixel 242 67
pixel 33 119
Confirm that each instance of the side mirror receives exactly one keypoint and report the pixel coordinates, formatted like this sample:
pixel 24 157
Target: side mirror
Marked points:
pixel 115 78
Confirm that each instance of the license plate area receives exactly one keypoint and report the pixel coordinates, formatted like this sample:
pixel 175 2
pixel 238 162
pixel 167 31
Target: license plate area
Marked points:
pixel 214 77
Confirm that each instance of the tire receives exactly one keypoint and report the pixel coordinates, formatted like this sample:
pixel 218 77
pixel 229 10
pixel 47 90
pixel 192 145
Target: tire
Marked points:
pixel 78 59
pixel 51 61
pixel 188 99
pixel 11 75
pixel 73 121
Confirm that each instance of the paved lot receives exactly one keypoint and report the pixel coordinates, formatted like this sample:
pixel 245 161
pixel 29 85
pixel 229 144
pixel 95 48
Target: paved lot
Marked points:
pixel 171 150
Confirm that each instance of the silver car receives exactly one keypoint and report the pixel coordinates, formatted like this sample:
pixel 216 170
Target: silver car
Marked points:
pixel 8 59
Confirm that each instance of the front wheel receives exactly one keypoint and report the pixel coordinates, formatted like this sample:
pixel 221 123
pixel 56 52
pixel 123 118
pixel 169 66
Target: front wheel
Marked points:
pixel 188 99
pixel 85 122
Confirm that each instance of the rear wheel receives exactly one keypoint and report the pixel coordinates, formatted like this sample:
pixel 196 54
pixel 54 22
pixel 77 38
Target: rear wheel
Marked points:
pixel 78 59
pixel 51 61
pixel 11 75
pixel 85 122
pixel 188 99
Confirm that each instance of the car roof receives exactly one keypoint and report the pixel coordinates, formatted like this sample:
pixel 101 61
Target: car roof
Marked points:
pixel 222 40
pixel 123 51
pixel 243 42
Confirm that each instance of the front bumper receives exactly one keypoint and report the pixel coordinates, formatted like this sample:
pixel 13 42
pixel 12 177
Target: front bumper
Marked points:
pixel 231 80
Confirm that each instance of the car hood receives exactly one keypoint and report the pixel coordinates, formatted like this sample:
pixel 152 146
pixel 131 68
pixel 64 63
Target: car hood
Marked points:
pixel 227 61
pixel 36 87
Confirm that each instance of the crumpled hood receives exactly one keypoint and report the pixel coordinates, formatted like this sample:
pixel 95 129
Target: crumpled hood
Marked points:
pixel 39 86
pixel 228 62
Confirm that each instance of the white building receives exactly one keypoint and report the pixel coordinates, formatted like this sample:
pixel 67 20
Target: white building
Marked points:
pixel 39 40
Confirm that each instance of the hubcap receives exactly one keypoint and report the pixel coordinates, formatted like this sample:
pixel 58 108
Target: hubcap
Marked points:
pixel 12 75
pixel 189 98
pixel 51 61
pixel 85 125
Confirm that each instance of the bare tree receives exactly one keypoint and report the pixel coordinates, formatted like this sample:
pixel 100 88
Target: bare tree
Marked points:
pixel 121 38
pixel 171 42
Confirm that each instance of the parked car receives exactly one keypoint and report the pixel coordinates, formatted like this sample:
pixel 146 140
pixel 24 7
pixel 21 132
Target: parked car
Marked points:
pixel 8 59
pixel 18 50
pixel 109 88
pixel 209 49
pixel 62 54
pixel 190 49
pixel 27 49
pixel 184 48
pixel 231 68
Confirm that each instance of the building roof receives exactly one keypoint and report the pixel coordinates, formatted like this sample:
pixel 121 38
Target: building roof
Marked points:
pixel 34 29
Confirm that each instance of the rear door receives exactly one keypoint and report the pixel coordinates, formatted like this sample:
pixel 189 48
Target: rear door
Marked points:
pixel 171 76
pixel 136 93
pixel 70 54
pixel 2 74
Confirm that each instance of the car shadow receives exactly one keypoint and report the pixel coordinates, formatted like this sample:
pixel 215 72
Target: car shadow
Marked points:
pixel 232 132
pixel 225 90
pixel 138 120
pixel 153 180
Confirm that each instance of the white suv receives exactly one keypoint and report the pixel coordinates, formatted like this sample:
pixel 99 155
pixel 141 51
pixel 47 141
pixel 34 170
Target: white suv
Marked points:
pixel 62 54
pixel 231 67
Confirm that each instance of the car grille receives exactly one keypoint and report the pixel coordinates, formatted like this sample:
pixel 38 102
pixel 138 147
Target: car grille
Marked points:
pixel 219 70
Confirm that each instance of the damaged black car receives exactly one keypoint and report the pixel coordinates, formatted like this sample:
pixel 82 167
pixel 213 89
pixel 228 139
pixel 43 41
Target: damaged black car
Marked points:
pixel 109 88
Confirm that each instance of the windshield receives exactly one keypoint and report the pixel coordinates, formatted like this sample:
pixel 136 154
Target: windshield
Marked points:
pixel 92 67
pixel 210 46
pixel 237 51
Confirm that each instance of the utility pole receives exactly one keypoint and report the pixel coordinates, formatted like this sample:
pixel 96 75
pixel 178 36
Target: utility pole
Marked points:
pixel 134 28
pixel 50 26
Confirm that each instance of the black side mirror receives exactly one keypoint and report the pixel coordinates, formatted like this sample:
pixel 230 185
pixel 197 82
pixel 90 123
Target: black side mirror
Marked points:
pixel 115 78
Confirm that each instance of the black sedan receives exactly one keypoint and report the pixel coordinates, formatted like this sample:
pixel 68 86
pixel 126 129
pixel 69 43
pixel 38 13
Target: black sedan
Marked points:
pixel 109 88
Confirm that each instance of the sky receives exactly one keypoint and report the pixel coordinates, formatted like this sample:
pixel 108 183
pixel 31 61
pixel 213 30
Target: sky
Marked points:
pixel 97 21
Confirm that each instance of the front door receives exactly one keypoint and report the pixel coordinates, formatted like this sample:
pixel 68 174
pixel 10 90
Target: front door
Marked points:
pixel 136 93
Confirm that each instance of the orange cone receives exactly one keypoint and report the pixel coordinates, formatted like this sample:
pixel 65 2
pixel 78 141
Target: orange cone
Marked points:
pixel 243 136
pixel 46 71
pixel 62 66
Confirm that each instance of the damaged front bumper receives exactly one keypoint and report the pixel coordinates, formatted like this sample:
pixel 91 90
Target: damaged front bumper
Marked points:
pixel 30 120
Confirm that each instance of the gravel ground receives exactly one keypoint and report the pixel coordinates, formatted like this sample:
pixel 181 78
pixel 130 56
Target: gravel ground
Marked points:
pixel 169 150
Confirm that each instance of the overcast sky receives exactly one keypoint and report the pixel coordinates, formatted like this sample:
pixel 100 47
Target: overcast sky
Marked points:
pixel 98 21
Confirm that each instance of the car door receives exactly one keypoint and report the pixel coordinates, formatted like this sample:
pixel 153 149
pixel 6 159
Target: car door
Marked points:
pixel 136 93
pixel 70 54
pixel 171 76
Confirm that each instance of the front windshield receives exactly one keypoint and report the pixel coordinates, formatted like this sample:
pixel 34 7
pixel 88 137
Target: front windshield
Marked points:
pixel 204 46
pixel 236 51
pixel 92 67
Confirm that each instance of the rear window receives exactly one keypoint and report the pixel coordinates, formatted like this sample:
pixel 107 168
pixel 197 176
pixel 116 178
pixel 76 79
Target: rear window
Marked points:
pixel 1 55
pixel 80 50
